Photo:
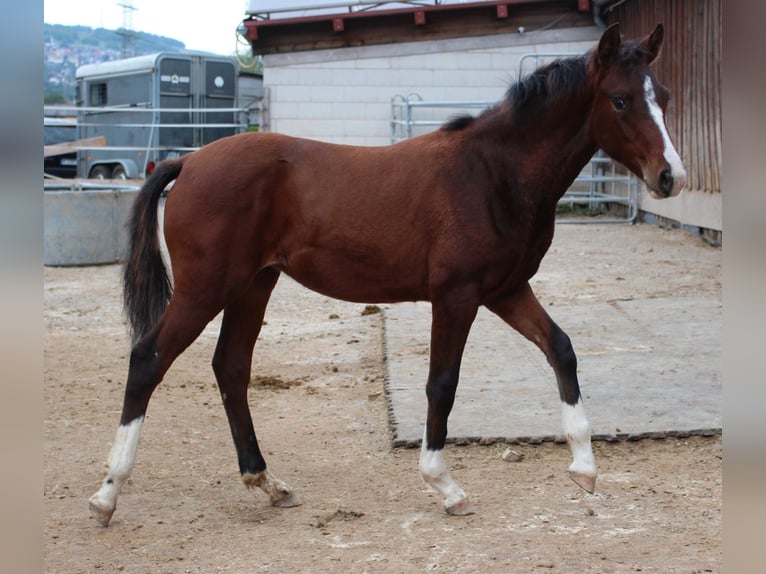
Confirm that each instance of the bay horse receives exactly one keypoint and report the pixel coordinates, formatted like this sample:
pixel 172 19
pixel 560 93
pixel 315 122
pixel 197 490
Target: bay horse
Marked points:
pixel 459 217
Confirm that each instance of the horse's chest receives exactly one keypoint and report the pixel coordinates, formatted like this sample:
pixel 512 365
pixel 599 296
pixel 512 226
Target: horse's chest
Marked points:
pixel 524 252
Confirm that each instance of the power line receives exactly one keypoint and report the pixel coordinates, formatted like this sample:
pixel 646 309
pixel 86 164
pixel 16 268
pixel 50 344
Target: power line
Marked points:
pixel 126 30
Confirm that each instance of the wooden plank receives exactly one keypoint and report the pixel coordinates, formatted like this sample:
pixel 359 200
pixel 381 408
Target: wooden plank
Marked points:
pixel 69 147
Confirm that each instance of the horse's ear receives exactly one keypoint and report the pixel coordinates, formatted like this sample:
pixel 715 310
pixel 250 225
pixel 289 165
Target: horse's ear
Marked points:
pixel 609 46
pixel 653 43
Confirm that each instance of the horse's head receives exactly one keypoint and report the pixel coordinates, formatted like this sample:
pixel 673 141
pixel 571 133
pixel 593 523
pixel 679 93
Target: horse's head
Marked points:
pixel 629 111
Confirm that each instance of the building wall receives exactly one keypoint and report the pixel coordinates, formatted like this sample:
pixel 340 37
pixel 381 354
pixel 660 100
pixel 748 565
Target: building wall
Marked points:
pixel 344 95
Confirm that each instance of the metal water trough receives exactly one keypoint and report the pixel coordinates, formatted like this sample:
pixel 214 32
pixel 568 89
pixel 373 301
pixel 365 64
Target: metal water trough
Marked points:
pixel 84 222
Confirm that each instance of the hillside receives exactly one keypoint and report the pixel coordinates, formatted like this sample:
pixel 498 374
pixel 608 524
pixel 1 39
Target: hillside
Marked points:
pixel 67 47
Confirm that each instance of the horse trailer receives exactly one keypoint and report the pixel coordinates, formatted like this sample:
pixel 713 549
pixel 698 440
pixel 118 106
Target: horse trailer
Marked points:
pixel 150 108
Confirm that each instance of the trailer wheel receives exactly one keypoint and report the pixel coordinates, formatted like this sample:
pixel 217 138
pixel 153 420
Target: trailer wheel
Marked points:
pixel 119 172
pixel 100 172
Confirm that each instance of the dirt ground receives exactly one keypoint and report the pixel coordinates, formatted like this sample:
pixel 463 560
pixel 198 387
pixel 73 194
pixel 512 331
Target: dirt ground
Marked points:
pixel 320 413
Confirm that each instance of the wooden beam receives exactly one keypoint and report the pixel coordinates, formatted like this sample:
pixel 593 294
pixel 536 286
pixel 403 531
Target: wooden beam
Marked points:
pixel 69 147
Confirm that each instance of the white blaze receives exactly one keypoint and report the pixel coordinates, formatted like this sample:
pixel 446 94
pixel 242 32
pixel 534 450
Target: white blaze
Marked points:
pixel 669 152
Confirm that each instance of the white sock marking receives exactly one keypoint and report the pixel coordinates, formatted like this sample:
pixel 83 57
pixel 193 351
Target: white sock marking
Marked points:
pixel 434 471
pixel 577 431
pixel 121 460
pixel 670 154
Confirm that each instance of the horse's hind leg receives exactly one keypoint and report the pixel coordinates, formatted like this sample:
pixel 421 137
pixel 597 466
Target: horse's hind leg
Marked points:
pixel 150 359
pixel 525 314
pixel 240 327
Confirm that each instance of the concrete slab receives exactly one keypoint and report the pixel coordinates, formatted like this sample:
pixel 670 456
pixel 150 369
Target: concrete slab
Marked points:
pixel 646 367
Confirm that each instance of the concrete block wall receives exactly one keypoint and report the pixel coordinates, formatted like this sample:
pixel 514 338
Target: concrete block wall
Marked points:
pixel 344 95
pixel 86 227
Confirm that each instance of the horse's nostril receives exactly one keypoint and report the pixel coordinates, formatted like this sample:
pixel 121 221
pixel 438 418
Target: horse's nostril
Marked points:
pixel 666 182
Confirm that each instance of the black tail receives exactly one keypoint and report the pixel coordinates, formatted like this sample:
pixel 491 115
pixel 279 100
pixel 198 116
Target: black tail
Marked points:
pixel 145 281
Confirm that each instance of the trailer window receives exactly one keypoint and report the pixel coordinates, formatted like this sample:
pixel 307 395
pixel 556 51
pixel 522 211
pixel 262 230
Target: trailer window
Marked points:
pixel 98 94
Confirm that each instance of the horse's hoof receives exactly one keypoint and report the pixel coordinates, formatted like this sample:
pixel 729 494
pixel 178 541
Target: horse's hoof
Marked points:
pixel 103 515
pixel 584 481
pixel 462 508
pixel 287 501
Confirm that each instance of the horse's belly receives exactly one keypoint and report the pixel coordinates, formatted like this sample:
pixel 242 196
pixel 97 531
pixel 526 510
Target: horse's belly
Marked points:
pixel 358 279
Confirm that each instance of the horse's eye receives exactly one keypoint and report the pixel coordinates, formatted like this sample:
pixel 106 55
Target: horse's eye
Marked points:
pixel 619 103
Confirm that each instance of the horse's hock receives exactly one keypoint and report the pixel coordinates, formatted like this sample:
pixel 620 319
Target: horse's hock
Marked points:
pixel 85 226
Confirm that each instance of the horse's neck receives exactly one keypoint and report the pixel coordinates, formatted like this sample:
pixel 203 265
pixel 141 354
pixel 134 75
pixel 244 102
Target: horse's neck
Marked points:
pixel 571 151
pixel 549 150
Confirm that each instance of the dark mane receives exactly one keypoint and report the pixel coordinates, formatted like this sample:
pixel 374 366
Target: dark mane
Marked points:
pixel 538 89
pixel 558 79
pixel 547 84
pixel 457 123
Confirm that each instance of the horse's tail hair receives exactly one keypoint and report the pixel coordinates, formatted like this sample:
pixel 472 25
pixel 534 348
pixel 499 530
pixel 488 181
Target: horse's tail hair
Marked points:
pixel 146 285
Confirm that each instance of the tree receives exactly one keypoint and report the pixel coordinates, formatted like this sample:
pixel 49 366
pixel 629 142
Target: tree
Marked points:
pixel 249 63
pixel 54 99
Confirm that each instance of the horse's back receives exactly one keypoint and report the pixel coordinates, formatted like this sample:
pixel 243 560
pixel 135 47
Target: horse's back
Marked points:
pixel 355 223
pixel 301 166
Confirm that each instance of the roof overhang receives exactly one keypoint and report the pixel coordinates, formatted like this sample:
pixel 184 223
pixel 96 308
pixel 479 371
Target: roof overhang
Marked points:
pixel 339 28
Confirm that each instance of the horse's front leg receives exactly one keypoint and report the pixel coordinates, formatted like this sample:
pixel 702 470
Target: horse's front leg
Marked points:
pixel 524 313
pixel 451 322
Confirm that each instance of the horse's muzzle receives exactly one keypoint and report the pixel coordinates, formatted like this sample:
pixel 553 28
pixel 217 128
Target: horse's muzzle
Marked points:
pixel 667 184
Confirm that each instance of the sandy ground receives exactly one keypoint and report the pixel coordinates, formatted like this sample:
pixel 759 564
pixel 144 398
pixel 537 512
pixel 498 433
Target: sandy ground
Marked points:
pixel 320 413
